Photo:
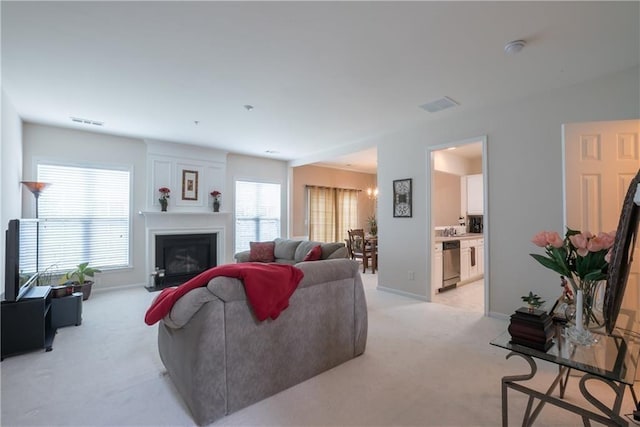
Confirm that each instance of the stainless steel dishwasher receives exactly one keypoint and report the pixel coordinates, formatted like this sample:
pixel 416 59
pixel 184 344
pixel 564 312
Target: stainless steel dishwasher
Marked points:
pixel 450 264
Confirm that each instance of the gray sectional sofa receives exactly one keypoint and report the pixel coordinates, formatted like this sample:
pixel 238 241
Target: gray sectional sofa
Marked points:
pixel 221 359
pixel 289 251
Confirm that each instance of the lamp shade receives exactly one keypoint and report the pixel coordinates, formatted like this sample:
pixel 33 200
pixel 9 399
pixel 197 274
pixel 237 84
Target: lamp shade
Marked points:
pixel 35 187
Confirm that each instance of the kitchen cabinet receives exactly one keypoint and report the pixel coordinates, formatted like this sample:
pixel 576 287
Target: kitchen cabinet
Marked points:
pixel 436 268
pixel 471 259
pixel 474 194
pixel 465 260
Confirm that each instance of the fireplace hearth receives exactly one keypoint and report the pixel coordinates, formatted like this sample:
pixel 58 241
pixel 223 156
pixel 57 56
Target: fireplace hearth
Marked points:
pixel 180 257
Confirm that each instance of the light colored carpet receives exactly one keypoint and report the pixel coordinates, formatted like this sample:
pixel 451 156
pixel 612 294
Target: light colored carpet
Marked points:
pixel 425 365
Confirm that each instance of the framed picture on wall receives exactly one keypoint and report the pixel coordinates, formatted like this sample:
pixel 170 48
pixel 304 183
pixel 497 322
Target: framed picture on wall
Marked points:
pixel 402 198
pixel 189 185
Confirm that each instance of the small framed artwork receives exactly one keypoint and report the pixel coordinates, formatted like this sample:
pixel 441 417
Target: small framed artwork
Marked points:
pixel 402 198
pixel 189 185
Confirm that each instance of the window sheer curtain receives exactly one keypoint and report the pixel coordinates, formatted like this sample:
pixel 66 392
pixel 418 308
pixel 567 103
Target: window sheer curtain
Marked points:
pixel 332 211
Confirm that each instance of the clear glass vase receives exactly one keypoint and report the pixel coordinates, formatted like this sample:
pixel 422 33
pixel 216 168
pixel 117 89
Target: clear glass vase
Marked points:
pixel 590 296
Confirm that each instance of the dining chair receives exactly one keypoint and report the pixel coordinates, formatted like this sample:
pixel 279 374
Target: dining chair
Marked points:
pixel 349 248
pixel 360 248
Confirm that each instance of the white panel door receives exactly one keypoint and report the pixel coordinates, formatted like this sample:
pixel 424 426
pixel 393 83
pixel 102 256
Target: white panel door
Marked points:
pixel 601 159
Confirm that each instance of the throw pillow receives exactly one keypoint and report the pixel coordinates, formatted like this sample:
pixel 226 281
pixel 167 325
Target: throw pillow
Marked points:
pixel 261 251
pixel 314 254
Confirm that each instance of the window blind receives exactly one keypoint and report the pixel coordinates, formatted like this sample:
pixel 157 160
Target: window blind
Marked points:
pixel 257 212
pixel 84 217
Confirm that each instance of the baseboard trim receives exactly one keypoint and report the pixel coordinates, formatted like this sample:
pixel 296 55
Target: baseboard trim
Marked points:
pixel 500 316
pixel 402 293
pixel 116 288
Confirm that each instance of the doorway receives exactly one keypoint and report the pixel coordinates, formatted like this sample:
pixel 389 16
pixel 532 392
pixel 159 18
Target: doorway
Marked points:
pixel 457 203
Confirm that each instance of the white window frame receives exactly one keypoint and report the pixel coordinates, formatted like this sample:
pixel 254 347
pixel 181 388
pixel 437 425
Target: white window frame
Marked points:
pixel 235 212
pixel 37 161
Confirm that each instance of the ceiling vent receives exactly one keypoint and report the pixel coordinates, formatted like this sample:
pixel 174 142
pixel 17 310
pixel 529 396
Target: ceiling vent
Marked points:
pixel 86 121
pixel 439 104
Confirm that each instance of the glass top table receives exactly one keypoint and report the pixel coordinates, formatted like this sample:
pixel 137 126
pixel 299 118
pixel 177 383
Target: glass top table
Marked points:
pixel 613 357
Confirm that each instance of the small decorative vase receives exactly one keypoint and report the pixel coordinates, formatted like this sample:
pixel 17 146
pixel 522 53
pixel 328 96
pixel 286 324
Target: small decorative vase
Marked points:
pixel 586 315
pixel 216 206
pixel 163 205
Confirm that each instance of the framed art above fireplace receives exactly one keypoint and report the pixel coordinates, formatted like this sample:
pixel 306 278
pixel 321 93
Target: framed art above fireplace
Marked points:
pixel 189 184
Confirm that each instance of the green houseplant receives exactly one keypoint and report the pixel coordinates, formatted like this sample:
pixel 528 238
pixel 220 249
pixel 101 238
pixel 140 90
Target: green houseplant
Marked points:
pixel 533 301
pixel 373 225
pixel 78 276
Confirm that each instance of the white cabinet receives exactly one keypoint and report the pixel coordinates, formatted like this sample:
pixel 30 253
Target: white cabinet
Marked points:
pixel 436 268
pixel 475 194
pixel 471 258
pixel 480 251
pixel 465 260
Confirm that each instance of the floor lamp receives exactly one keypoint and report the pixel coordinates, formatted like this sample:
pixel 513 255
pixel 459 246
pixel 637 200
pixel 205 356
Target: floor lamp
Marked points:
pixel 36 188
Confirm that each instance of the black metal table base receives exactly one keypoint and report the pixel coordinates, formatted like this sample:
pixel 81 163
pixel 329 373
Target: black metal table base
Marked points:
pixel 609 416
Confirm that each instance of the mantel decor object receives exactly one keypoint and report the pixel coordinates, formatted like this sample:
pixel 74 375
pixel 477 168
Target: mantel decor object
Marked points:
pixel 216 200
pixel 189 185
pixel 164 198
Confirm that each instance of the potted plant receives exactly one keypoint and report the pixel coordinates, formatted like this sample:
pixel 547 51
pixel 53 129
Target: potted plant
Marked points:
pixel 373 225
pixel 533 301
pixel 216 200
pixel 164 196
pixel 78 277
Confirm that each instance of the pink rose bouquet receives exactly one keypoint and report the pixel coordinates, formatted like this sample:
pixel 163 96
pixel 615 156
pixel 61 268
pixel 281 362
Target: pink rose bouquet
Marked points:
pixel 580 256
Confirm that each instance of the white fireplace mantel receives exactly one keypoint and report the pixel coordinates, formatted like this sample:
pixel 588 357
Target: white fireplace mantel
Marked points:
pixel 157 223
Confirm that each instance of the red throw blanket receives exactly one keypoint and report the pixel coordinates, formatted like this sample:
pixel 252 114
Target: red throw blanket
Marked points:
pixel 268 288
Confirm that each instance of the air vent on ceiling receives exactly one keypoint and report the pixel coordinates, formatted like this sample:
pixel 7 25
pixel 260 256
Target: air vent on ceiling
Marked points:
pixel 86 121
pixel 439 104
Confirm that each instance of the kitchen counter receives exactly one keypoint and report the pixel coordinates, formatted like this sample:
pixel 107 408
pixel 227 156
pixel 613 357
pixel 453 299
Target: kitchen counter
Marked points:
pixel 467 236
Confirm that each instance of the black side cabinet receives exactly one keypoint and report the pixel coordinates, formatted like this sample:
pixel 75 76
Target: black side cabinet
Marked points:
pixel 26 324
pixel 66 311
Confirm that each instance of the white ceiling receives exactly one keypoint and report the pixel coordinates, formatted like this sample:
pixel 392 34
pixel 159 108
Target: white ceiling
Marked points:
pixel 322 76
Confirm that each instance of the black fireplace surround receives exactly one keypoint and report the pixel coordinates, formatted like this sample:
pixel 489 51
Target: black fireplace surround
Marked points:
pixel 184 256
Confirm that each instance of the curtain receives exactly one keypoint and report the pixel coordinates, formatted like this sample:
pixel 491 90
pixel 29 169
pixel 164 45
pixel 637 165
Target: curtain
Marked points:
pixel 332 211
pixel 347 213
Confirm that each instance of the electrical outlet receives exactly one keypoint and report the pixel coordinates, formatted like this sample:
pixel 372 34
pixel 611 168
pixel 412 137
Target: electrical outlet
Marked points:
pixel 412 275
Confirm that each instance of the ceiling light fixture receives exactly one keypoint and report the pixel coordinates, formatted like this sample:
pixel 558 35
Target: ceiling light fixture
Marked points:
pixel 514 47
pixel 372 193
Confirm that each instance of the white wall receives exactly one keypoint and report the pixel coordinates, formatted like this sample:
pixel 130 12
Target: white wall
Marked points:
pixel 446 161
pixel 10 171
pixel 68 145
pixel 524 184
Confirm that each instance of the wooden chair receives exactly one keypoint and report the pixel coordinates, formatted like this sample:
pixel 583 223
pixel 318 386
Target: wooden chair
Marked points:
pixel 360 249
pixel 349 248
